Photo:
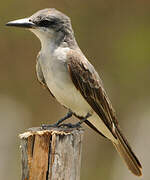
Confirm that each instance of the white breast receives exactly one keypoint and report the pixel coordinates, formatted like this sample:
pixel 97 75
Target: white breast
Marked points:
pixel 57 77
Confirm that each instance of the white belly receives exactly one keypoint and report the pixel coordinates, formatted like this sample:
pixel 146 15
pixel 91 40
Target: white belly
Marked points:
pixel 62 88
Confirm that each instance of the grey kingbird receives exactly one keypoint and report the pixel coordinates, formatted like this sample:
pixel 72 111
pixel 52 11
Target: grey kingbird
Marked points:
pixel 72 80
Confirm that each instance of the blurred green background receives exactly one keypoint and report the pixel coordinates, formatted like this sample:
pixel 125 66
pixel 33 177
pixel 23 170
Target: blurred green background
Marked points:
pixel 115 37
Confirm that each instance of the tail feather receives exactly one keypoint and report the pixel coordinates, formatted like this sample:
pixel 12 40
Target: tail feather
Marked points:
pixel 122 146
pixel 127 154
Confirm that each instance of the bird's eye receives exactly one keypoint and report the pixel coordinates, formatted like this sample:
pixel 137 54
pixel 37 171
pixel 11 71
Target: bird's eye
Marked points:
pixel 46 23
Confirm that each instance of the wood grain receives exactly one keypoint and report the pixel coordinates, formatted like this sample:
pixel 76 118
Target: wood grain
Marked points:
pixel 53 154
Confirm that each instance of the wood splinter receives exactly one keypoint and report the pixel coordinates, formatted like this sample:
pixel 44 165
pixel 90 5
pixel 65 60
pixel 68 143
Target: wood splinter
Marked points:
pixel 53 154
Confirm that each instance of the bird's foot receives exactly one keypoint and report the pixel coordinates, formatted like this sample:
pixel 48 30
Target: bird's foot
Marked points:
pixel 47 126
pixel 69 125
pixel 77 125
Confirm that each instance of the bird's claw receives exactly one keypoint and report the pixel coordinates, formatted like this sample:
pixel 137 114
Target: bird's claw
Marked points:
pixel 47 126
pixel 69 125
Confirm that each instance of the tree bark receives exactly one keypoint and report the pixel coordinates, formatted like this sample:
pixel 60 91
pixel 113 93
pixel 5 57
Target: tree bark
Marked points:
pixel 53 154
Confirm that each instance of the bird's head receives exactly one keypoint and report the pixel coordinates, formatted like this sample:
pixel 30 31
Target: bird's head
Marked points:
pixel 46 24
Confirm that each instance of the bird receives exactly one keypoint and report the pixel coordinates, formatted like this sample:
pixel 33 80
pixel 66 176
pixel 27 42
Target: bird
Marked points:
pixel 64 70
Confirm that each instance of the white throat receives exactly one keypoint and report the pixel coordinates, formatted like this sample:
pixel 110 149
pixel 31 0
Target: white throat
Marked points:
pixel 47 39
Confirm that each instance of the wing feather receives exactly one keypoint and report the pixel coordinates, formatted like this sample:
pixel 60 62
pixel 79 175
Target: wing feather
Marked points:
pixel 88 82
pixel 40 75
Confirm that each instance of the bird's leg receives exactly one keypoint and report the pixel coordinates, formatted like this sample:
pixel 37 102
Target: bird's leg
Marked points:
pixel 68 115
pixel 82 120
pixel 78 124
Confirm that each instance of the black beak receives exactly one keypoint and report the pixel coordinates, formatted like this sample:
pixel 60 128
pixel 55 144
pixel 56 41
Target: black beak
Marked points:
pixel 24 23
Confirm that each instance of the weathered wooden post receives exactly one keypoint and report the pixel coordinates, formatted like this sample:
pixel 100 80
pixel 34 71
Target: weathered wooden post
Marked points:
pixel 53 154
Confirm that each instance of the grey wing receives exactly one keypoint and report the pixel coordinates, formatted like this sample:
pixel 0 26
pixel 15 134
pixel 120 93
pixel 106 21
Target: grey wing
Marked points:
pixel 87 81
pixel 40 75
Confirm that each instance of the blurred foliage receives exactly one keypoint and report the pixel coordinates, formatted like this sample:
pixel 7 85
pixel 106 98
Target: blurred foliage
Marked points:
pixel 115 37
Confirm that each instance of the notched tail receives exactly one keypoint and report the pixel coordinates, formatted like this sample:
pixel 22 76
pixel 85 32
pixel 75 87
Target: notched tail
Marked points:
pixel 127 154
